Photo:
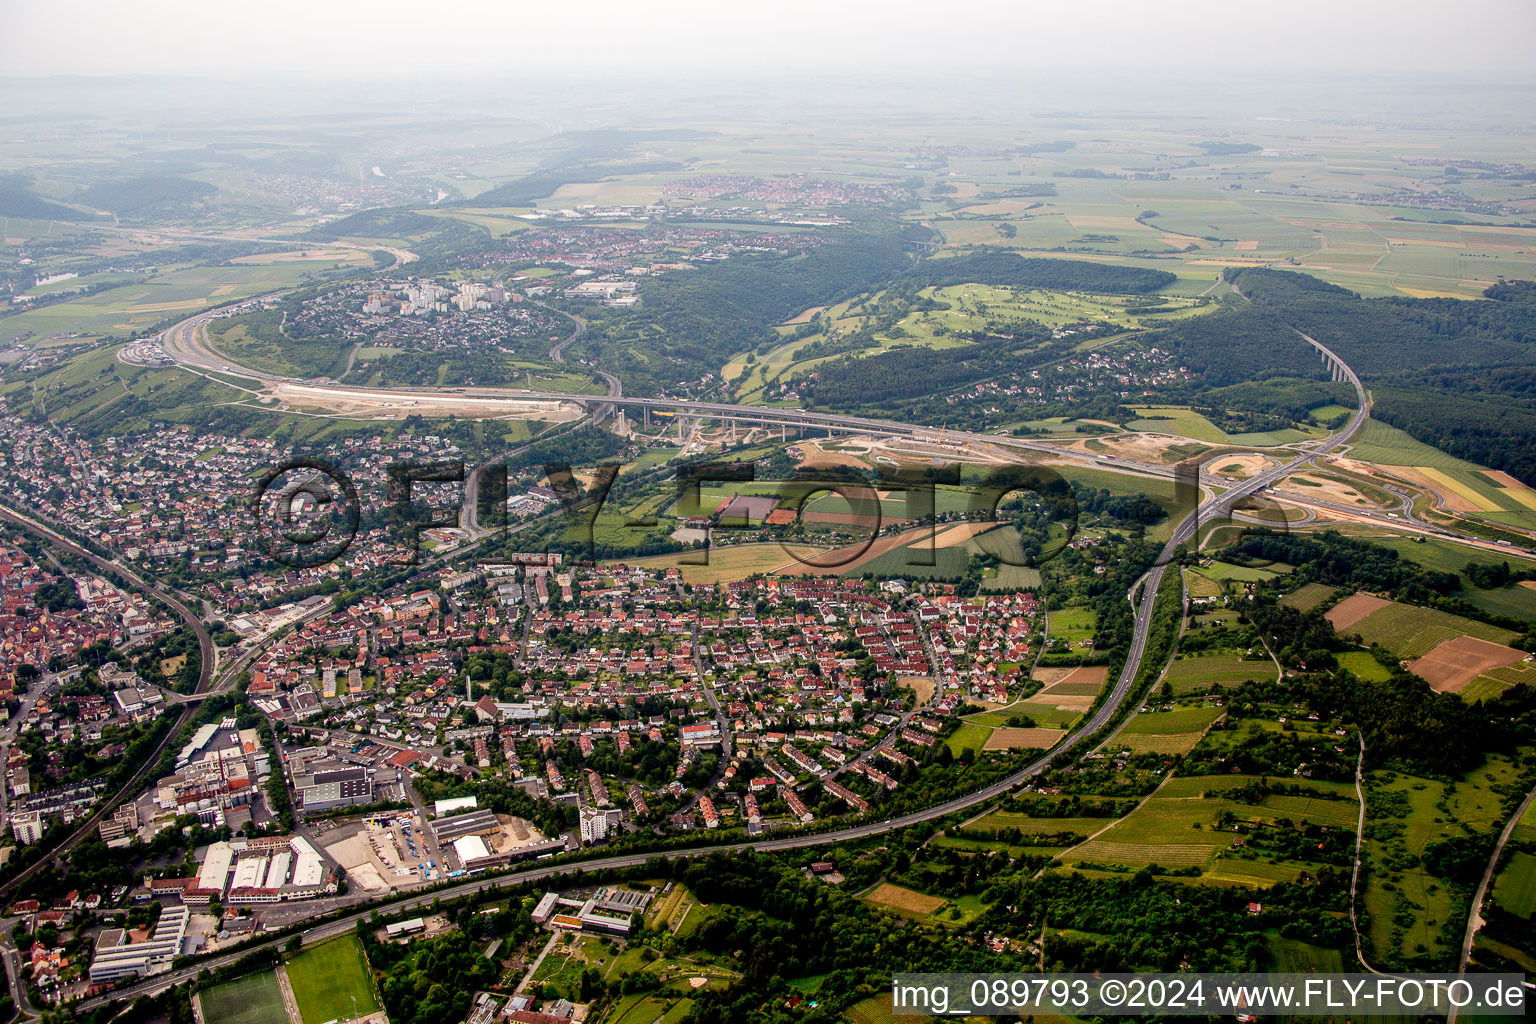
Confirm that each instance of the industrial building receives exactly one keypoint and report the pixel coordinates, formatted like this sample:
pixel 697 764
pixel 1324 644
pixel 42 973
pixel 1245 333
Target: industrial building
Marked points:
pixel 277 868
pixel 476 823
pixel 115 959
pixel 608 910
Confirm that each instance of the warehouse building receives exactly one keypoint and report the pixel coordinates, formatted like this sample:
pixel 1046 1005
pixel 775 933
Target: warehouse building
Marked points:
pixel 116 959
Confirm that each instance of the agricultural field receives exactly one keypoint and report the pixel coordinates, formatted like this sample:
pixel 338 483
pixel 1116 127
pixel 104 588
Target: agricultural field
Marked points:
pixel 1180 827
pixel 1497 680
pixel 724 564
pixel 1455 663
pixel 1412 632
pixel 1200 673
pixel 171 293
pixel 1164 732
pixel 1308 596
pixel 1177 420
pixel 327 978
pixel 1462 486
pixel 887 896
pixel 1443 556
pixel 1001 821
pixel 253 1000
pixel 1010 738
pixel 877 1010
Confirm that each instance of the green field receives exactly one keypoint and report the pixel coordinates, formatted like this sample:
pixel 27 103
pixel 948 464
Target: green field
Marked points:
pixel 1200 586
pixel 944 320
pixel 1292 956
pixel 1445 556
pixel 1388 446
pixel 1362 664
pixel 1515 889
pixel 1412 913
pixel 1203 672
pixel 327 978
pixel 1070 624
pixel 967 737
pixel 172 293
pixel 1165 732
pixel 1178 420
pixel 999 821
pixel 253 1000
pixel 1239 573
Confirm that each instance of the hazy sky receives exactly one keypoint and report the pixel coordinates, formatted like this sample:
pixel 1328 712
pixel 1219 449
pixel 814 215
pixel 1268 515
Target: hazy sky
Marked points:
pixel 516 37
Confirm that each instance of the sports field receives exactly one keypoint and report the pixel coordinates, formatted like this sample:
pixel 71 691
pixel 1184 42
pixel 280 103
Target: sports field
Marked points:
pixel 253 1000
pixel 327 978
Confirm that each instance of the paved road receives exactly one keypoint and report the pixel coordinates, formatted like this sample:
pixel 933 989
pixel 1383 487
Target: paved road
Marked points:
pixel 12 961
pixel 1143 595
pixel 1144 599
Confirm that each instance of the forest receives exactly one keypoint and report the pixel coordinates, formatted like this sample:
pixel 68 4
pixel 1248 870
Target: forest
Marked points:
pixel 690 323
pixel 1459 375
pixel 1010 271
pixel 138 195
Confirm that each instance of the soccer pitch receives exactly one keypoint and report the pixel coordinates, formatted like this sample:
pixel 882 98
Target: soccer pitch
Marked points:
pixel 325 980
pixel 253 1000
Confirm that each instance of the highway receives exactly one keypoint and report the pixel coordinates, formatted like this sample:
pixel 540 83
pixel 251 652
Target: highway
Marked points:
pixel 184 345
pixel 1143 598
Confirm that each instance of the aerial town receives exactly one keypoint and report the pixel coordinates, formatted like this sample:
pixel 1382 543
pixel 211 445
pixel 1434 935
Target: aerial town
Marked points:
pixel 636 515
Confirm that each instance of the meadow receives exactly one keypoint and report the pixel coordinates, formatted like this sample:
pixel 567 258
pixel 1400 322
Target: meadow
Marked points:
pixel 1515 889
pixel 1178 828
pixel 943 319
pixel 1413 914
